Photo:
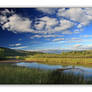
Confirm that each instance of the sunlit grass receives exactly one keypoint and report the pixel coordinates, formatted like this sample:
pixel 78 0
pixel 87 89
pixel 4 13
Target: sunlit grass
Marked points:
pixel 64 61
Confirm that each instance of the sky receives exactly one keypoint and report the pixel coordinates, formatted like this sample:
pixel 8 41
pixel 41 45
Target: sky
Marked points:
pixel 36 29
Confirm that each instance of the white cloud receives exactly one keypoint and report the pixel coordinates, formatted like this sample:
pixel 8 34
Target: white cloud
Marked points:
pixel 86 36
pixel 40 25
pixel 3 19
pixel 78 40
pixel 35 36
pixel 21 47
pixel 18 24
pixel 47 10
pixel 46 36
pixel 58 39
pixel 88 11
pixel 79 26
pixel 77 45
pixel 75 39
pixel 88 47
pixel 68 18
pixel 52 25
pixel 17 44
pixel 66 32
pixel 81 47
pixel 15 23
pixel 6 11
pixel 64 25
pixel 49 21
pixel 76 14
pixel 46 24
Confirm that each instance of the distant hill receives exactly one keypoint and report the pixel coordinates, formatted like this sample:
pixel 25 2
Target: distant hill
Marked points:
pixel 7 52
pixel 4 52
pixel 55 51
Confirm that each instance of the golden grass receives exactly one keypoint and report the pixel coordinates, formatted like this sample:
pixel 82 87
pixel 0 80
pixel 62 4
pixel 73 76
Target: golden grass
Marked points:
pixel 63 61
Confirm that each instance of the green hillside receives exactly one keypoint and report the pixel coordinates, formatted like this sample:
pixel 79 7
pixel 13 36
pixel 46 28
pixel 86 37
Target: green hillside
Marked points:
pixel 6 53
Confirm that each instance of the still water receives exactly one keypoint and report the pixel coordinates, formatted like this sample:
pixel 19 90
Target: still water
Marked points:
pixel 85 71
pixel 75 69
pixel 39 66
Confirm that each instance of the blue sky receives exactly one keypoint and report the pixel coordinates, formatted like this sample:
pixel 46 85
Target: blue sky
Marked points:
pixel 46 28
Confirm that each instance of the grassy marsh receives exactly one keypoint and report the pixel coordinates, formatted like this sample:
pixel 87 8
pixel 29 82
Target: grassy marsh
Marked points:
pixel 21 75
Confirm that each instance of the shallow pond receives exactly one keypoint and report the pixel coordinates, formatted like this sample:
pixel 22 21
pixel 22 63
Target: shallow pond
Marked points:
pixel 39 66
pixel 77 70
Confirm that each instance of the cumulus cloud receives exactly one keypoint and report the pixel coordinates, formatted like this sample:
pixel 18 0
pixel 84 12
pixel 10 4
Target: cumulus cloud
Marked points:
pixel 79 15
pixel 64 25
pixel 66 32
pixel 3 19
pixel 47 10
pixel 50 22
pixel 88 11
pixel 52 25
pixel 46 24
pixel 68 18
pixel 15 23
pixel 40 25
pixel 65 20
pixel 6 11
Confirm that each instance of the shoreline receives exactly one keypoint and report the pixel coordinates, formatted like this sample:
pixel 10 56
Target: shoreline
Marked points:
pixel 14 61
pixel 51 62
